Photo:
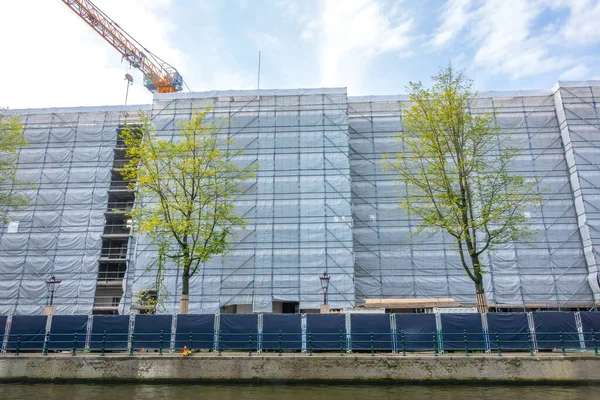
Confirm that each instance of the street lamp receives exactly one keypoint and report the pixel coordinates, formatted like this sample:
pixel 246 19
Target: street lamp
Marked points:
pixel 324 285
pixel 52 285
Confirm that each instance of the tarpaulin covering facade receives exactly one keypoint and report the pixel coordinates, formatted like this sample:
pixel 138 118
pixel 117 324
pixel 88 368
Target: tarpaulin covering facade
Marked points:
pixel 321 201
pixel 68 162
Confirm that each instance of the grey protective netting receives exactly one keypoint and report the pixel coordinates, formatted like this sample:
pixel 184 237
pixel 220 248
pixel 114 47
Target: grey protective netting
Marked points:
pixel 391 263
pixel 297 209
pixel 319 202
pixel 68 161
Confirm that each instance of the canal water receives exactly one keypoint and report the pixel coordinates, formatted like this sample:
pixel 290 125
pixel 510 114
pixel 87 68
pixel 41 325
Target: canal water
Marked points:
pixel 42 391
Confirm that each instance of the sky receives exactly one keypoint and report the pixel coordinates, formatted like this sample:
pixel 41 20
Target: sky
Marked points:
pixel 373 47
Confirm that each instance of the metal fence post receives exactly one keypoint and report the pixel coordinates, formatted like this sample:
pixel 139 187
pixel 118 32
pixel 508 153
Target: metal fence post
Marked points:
pixel 103 344
pixel 594 343
pixel 403 344
pixel 562 343
pixel 530 342
pixel 250 345
pixel 466 343
pixel 19 346
pixel 45 348
pixel 160 348
pixel 372 346
pixel 435 350
pixel 341 343
pixel 220 342
pixel 280 349
pixel 310 344
pixel 131 343
pixel 74 352
pixel 498 344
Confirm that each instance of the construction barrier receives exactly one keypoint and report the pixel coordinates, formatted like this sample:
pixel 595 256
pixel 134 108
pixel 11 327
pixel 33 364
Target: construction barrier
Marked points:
pixel 110 332
pixel 326 331
pixel 415 332
pixel 30 331
pixel 3 319
pixel 560 332
pixel 590 323
pixel 195 331
pixel 555 330
pixel 238 332
pixel 282 331
pixel 67 332
pixel 508 331
pixel 462 332
pixel 150 330
pixel 371 331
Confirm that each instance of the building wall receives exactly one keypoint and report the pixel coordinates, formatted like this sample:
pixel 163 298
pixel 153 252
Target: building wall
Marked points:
pixel 321 200
pixel 297 210
pixel 68 162
pixel 394 260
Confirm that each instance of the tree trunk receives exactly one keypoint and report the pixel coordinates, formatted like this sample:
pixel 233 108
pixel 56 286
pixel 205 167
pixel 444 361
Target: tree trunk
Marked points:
pixel 479 288
pixel 480 293
pixel 184 301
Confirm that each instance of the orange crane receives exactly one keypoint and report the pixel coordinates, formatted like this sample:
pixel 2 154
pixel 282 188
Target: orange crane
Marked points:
pixel 159 76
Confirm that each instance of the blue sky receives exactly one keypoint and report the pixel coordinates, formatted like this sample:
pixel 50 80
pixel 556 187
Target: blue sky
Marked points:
pixel 368 46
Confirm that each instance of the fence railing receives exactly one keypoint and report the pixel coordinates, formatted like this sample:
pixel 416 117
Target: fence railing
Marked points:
pixel 401 343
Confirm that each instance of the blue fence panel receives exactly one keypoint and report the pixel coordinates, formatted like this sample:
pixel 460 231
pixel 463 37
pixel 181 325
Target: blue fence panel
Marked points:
pixel 3 319
pixel 590 321
pixel 239 331
pixel 290 326
pixel 417 329
pixel 363 325
pixel 63 331
pixel 324 330
pixel 453 332
pixel 201 328
pixel 147 330
pixel 117 332
pixel 511 329
pixel 32 329
pixel 549 324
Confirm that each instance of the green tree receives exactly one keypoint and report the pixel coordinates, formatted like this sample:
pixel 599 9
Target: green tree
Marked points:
pixel 187 186
pixel 458 172
pixel 12 140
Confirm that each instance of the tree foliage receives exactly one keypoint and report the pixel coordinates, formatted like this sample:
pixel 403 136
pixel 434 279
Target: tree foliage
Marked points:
pixel 458 172
pixel 11 140
pixel 187 185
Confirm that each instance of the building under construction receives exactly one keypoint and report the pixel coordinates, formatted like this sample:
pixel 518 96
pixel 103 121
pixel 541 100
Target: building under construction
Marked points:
pixel 320 202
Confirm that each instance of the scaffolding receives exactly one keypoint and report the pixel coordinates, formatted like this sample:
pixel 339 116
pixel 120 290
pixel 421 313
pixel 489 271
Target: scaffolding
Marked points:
pixel 320 201
pixel 297 209
pixel 68 162
pixel 394 261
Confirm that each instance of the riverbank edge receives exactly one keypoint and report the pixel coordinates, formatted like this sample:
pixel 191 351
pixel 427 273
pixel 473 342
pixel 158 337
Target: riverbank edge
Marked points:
pixel 360 369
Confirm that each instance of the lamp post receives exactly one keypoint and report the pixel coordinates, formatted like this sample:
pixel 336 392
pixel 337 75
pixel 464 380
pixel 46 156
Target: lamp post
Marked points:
pixel 324 285
pixel 52 285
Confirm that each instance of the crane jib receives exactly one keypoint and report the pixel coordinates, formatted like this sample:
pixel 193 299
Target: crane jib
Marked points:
pixel 158 76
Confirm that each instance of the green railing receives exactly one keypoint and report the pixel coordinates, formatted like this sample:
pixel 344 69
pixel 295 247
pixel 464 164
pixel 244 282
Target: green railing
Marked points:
pixel 399 342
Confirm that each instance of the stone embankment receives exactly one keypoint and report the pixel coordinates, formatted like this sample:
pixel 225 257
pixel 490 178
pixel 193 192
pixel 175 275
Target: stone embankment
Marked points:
pixel 546 369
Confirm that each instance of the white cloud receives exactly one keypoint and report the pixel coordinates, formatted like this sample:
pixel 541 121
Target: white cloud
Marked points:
pixel 580 71
pixel 507 40
pixel 455 17
pixel 506 44
pixel 57 60
pixel 583 24
pixel 351 33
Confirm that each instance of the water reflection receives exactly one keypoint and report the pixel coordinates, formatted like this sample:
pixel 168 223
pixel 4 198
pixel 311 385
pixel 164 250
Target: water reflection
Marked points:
pixel 293 392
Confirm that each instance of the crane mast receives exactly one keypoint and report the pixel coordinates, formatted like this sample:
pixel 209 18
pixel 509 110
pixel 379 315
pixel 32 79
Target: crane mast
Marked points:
pixel 159 76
